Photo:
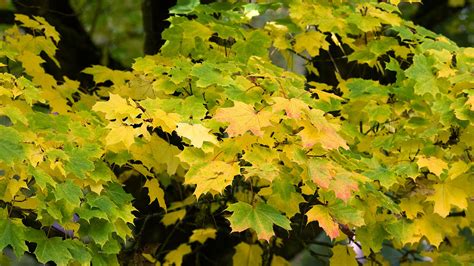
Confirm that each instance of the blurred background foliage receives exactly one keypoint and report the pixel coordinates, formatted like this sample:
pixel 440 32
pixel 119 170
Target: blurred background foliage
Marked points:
pixel 116 27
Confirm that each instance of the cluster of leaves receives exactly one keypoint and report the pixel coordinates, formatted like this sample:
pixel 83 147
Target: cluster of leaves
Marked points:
pixel 371 162
pixel 56 187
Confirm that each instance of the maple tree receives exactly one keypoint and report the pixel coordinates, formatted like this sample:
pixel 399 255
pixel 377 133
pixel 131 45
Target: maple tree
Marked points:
pixel 256 151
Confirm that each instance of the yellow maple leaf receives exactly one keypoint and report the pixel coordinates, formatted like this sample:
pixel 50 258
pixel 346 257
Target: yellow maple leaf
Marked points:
pixel 201 235
pixel 120 133
pixel 165 160
pixel 167 121
pixel 155 192
pixel 196 133
pixel 245 254
pixel 411 206
pixel 311 41
pixel 293 107
pixel 116 108
pixel 172 217
pixel 435 165
pixel 319 130
pixel 450 193
pixel 321 215
pixel 433 227
pixel 242 118
pixel 212 177
pixel 343 255
pixel 175 257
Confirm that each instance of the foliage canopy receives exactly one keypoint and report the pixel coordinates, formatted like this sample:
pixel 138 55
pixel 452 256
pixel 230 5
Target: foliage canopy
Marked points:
pixel 382 161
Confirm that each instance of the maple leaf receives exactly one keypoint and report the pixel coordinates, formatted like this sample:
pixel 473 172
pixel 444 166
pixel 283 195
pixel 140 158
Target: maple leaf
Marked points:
pixel 52 249
pixel 450 193
pixel 285 198
pixel 197 133
pixel 201 235
pixel 120 133
pixel 260 218
pixel 310 41
pixel 173 217
pixel 435 165
pixel 294 108
pixel 167 121
pixel 403 231
pixel 212 177
pixel 322 216
pixel 116 108
pixel 433 227
pixel 245 254
pixel 155 192
pixel 412 206
pixel 10 146
pixel 242 118
pixel 102 74
pixel 319 130
pixel 328 176
pixel 175 257
pixel 343 255
pixel 13 233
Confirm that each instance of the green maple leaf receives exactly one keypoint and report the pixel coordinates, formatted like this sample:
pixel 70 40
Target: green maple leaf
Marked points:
pixel 99 230
pixel 70 192
pixel 79 163
pixel 285 198
pixel 260 218
pixel 13 235
pixel 421 72
pixel 52 249
pixel 79 251
pixel 10 147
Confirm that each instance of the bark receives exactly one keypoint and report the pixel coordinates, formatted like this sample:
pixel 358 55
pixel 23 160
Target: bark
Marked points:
pixel 155 15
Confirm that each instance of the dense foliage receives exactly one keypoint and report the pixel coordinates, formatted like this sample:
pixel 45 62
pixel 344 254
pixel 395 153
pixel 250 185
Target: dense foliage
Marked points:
pixel 248 148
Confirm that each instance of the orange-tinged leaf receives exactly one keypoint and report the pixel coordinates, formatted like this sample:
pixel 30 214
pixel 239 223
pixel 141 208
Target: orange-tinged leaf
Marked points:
pixel 294 108
pixel 242 118
pixel 320 131
pixel 197 133
pixel 322 172
pixel 327 176
pixel 343 186
pixel 155 192
pixel 321 215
